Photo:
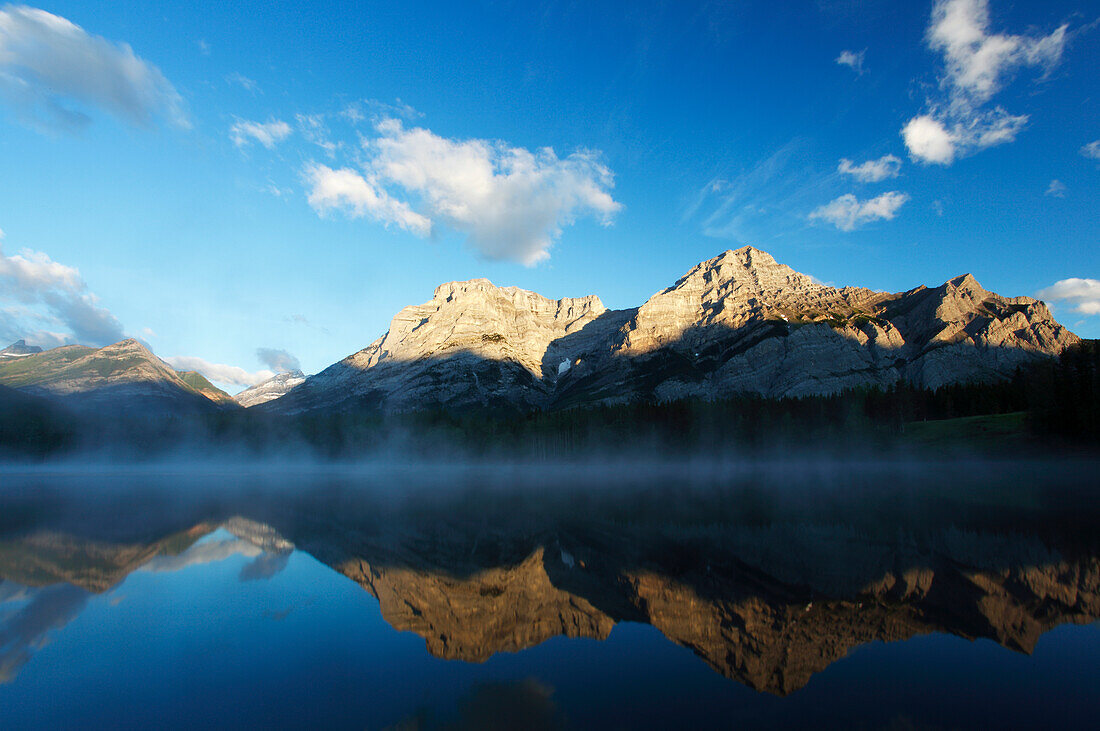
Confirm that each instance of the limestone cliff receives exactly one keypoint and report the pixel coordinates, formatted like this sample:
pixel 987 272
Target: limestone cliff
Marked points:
pixel 738 323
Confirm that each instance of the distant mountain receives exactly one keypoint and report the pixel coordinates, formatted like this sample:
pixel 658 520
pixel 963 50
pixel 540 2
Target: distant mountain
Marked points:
pixel 19 349
pixel 739 323
pixel 269 390
pixel 120 376
pixel 198 383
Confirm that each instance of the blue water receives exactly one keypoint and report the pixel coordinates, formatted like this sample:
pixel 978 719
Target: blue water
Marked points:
pixel 207 646
pixel 113 615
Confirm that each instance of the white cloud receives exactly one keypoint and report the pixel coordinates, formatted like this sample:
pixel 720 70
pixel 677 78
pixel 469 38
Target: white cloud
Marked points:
pixel 51 68
pixel 268 134
pixel 1082 294
pixel 219 372
pixel 54 296
pixel 871 171
pixel 977 64
pixel 511 203
pixel 1092 150
pixel 348 191
pixel 852 60
pixel 928 140
pixel 848 212
pixel 1056 189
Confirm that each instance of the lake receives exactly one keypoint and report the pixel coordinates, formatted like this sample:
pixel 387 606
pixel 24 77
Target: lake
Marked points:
pixel 774 594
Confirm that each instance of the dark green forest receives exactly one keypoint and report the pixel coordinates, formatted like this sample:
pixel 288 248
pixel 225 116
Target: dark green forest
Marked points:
pixel 1048 405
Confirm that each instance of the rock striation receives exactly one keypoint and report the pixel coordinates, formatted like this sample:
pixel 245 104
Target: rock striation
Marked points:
pixel 740 323
pixel 275 387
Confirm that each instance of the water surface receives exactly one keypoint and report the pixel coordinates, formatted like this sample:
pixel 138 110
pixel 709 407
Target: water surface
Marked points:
pixel 875 596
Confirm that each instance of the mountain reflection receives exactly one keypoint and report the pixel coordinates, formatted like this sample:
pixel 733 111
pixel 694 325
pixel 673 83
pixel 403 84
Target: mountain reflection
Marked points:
pixel 767 590
pixel 46 578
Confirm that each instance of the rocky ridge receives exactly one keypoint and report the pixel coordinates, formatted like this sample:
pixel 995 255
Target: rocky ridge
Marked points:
pixel 275 387
pixel 740 323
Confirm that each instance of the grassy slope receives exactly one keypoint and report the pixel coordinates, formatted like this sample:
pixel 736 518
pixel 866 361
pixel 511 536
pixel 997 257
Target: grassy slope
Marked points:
pixel 198 383
pixel 42 367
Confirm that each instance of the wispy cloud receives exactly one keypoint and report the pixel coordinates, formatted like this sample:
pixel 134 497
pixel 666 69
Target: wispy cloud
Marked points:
pixel 219 372
pixel 852 60
pixel 268 134
pixel 1083 295
pixel 1056 189
pixel 764 201
pixel 302 320
pixel 53 71
pixel 375 110
pixel 53 296
pixel 848 213
pixel 278 360
pixel 238 79
pixel 871 171
pixel 314 131
pixel 511 203
pixel 977 64
pixel 1092 150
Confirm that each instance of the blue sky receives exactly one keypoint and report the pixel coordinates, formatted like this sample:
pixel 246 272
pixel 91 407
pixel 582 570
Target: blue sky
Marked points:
pixel 222 178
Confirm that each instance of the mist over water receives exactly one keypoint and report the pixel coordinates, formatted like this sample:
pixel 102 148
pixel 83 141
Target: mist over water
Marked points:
pixel 558 594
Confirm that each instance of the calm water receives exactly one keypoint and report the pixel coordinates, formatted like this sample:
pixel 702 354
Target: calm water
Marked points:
pixel 839 595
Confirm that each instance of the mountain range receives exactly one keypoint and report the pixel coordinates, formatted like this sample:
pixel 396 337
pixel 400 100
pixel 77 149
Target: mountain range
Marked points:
pixel 735 324
pixel 740 323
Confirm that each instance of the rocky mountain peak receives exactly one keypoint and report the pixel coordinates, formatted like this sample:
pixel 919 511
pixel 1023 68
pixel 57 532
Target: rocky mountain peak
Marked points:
pixel 741 271
pixel 127 346
pixel 271 389
pixel 737 323
pixel 475 291
pixel 19 349
pixel 729 291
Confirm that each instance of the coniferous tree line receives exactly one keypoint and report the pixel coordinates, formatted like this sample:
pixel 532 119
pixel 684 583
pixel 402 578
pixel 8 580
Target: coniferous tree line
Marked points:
pixel 1049 403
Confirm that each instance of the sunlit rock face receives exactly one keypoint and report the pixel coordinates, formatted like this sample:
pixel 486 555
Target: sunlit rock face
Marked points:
pixel 473 345
pixel 735 324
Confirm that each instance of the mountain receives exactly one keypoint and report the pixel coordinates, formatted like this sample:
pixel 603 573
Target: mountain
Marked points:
pixel 269 390
pixel 473 344
pixel 197 382
pixel 740 323
pixel 19 349
pixel 122 376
